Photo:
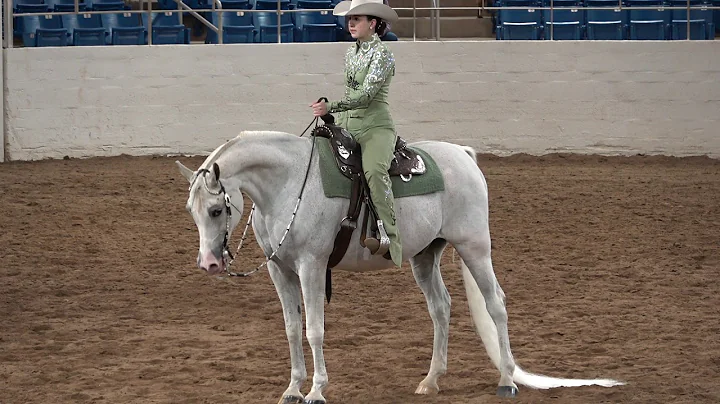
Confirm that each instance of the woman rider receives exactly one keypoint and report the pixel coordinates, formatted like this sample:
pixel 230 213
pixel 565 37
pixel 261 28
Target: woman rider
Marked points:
pixel 364 109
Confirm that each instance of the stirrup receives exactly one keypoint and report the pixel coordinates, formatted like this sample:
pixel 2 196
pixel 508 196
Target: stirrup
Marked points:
pixel 378 247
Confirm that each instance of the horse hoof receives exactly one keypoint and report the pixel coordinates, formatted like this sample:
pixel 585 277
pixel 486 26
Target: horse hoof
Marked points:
pixel 425 390
pixel 291 400
pixel 313 402
pixel 507 391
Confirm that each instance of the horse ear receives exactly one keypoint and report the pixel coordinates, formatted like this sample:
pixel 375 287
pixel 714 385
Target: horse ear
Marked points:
pixel 216 170
pixel 186 172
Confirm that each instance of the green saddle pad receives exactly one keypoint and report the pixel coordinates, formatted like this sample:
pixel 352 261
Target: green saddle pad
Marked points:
pixel 336 185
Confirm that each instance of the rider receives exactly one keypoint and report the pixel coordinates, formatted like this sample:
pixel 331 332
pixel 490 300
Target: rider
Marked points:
pixel 364 109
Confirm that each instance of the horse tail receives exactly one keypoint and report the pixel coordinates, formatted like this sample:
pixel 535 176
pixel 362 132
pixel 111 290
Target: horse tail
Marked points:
pixel 471 152
pixel 485 327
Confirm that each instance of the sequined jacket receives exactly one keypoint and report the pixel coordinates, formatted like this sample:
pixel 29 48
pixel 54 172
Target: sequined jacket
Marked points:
pixel 369 67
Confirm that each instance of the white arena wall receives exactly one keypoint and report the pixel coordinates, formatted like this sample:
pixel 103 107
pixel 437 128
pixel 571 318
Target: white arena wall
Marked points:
pixel 611 98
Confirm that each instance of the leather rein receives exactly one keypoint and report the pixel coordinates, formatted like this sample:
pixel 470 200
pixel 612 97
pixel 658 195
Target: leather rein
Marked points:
pixel 228 204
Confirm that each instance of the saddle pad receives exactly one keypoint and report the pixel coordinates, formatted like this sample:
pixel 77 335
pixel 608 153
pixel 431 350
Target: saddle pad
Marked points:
pixel 336 185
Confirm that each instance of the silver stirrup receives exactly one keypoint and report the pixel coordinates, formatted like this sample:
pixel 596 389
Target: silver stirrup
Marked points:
pixel 378 247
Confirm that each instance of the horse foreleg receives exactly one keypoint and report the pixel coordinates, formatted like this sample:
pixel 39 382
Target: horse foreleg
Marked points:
pixel 287 285
pixel 426 269
pixel 312 280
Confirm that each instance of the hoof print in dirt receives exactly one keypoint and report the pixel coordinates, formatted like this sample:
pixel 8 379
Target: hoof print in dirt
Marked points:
pixel 507 391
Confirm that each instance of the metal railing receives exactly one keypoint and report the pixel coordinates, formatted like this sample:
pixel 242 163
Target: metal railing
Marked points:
pixel 435 9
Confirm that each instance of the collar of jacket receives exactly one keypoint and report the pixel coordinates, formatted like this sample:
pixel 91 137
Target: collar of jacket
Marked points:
pixel 364 46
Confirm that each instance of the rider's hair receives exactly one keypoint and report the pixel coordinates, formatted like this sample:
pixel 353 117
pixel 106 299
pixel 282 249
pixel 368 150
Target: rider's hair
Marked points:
pixel 380 26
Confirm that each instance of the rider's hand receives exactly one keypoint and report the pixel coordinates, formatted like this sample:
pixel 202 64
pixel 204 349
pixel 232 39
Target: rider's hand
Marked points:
pixel 319 108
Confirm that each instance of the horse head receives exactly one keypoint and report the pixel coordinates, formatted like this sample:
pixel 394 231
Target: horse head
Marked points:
pixel 210 205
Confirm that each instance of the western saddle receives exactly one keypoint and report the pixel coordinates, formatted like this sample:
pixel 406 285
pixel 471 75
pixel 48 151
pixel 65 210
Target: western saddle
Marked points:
pixel 348 157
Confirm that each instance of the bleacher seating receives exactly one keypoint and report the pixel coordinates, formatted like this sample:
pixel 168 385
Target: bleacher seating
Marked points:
pixel 84 29
pixel 43 30
pixel 271 4
pixel 313 5
pixel 566 20
pixel 124 29
pixel 237 27
pixel 652 23
pixel 304 21
pixel 605 19
pixel 168 29
pixel 109 5
pixel 701 20
pixel 519 23
pixel 314 26
pixel 67 5
pixel 236 4
pixel 266 27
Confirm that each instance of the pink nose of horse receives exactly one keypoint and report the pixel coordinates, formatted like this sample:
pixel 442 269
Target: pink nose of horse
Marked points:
pixel 210 263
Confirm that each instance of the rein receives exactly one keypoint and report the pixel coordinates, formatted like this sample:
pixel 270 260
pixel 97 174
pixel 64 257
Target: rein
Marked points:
pixel 228 211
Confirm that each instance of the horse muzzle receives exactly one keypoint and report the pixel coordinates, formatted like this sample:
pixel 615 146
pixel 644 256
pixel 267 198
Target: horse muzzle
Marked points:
pixel 211 264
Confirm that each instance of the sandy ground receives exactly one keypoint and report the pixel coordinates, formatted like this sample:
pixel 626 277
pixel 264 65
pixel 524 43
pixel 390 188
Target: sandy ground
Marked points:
pixel 610 266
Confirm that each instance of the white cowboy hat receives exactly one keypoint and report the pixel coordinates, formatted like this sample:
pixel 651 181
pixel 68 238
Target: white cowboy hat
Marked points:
pixel 366 7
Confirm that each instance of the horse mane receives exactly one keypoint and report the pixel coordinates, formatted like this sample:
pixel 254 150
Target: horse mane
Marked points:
pixel 216 154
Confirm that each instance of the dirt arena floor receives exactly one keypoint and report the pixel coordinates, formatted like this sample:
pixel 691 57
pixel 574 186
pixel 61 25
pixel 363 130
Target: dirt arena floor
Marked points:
pixel 610 266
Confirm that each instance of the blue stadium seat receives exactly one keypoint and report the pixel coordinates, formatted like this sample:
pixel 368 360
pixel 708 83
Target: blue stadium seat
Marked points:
pixel 67 5
pixel 32 8
pixel 124 29
pixel 17 2
pixel 341 32
pixel 167 29
pixel 236 5
pixel 522 24
pixel 649 24
pixel 43 30
pixel 84 29
pixel 108 5
pixel 271 4
pixel 608 23
pixel 172 5
pixel 315 26
pixel 237 27
pixel 565 21
pixel 266 25
pixel 29 6
pixel 701 20
pixel 313 4
pixel 26 6
pixel 716 14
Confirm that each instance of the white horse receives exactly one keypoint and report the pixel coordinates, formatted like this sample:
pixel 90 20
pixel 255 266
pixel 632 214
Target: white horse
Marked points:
pixel 270 168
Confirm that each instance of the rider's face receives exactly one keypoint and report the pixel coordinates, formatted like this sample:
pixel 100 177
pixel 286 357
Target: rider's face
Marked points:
pixel 360 27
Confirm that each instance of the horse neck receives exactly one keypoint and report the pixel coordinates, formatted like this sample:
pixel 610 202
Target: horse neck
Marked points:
pixel 266 166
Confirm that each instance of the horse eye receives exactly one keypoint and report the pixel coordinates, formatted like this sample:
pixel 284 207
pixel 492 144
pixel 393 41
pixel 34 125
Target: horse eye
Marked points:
pixel 216 212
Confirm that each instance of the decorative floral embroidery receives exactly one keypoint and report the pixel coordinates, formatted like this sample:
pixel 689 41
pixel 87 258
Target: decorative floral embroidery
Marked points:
pixel 379 62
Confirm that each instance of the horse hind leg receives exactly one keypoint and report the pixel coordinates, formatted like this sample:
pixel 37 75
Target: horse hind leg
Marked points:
pixel 426 270
pixel 478 264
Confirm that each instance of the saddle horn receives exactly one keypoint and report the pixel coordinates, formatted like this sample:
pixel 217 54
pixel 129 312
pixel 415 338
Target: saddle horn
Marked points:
pixel 327 118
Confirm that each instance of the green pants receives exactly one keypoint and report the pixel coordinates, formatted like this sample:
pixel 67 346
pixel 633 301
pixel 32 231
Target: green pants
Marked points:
pixel 377 146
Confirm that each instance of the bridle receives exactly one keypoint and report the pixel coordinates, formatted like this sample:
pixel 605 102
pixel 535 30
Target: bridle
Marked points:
pixel 229 205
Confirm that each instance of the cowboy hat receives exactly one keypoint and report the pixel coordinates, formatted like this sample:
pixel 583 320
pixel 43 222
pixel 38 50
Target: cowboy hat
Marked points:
pixel 375 8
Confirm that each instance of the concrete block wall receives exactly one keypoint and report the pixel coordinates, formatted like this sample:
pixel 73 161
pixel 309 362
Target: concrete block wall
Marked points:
pixel 500 97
